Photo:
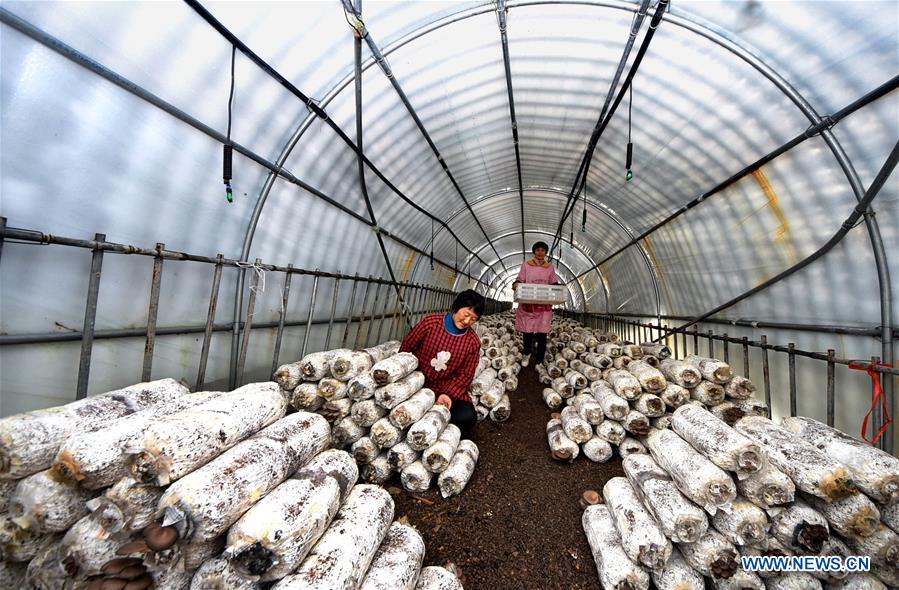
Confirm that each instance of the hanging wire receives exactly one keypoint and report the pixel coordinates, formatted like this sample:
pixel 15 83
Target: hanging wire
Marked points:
pixel 630 104
pixel 432 244
pixel 231 94
pixel 227 149
pixel 630 146
pixel 571 232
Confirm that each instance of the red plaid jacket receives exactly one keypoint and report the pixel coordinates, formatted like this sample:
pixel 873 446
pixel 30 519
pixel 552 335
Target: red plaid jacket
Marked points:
pixel 450 375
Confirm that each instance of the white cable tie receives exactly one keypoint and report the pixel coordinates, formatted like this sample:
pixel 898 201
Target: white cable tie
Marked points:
pixel 260 273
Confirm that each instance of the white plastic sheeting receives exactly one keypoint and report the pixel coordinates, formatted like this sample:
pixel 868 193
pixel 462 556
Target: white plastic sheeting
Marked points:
pixel 722 84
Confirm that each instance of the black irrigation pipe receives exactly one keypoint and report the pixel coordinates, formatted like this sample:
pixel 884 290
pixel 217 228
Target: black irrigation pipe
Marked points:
pixel 357 53
pixel 360 29
pixel 86 62
pixel 603 122
pixel 504 38
pixel 826 123
pixel 858 211
pixel 317 110
pixel 635 28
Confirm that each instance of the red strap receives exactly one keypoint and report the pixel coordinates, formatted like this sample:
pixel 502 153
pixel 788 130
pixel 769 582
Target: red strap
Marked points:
pixel 878 397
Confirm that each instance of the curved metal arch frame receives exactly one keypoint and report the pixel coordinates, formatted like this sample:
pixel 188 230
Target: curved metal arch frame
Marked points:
pixel 519 252
pixel 602 279
pixel 690 23
pixel 597 205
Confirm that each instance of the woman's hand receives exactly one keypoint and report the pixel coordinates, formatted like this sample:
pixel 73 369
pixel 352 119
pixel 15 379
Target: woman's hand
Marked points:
pixel 445 400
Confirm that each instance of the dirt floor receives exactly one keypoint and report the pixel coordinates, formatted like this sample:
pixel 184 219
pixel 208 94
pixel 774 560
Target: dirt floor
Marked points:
pixel 517 525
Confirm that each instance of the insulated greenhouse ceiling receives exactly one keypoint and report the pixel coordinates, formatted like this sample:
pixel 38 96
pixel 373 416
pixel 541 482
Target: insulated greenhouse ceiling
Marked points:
pixel 432 143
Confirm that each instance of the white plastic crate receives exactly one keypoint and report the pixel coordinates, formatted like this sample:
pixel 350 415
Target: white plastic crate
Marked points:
pixel 542 294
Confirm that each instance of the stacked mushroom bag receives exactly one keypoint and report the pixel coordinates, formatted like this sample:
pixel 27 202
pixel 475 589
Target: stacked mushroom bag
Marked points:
pixel 152 486
pixel 497 373
pixel 608 394
pixel 91 473
pixel 383 415
pixel 708 493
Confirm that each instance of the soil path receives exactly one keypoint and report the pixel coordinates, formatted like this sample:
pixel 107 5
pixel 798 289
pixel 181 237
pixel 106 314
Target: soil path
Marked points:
pixel 517 525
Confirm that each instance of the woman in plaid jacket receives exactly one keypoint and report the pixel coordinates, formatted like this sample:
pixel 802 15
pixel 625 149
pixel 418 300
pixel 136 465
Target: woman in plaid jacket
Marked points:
pixel 448 352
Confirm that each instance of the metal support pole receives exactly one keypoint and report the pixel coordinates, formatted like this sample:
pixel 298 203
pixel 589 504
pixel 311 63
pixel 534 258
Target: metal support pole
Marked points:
pixel 90 319
pixel 831 383
pixel 766 373
pixel 349 314
pixel 423 296
pixel 792 365
pixel 395 322
pixel 153 311
pixel 726 348
pixel 311 312
pixel 285 297
pixel 384 315
pixel 371 317
pixel 711 345
pixel 411 299
pixel 248 326
pixel 877 415
pixel 430 295
pixel 210 319
pixel 413 302
pixel 745 357
pixel 361 323
pixel 334 293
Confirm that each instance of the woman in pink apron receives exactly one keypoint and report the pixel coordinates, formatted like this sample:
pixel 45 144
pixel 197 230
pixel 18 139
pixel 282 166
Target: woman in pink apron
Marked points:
pixel 532 320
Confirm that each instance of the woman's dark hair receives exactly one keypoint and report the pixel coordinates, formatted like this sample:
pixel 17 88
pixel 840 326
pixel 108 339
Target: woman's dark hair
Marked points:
pixel 469 298
pixel 539 245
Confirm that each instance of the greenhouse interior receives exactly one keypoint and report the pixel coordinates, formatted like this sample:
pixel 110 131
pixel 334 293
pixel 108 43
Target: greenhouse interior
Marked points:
pixel 424 295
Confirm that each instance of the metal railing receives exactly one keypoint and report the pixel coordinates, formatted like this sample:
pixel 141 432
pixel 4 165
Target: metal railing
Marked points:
pixel 383 312
pixel 691 341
